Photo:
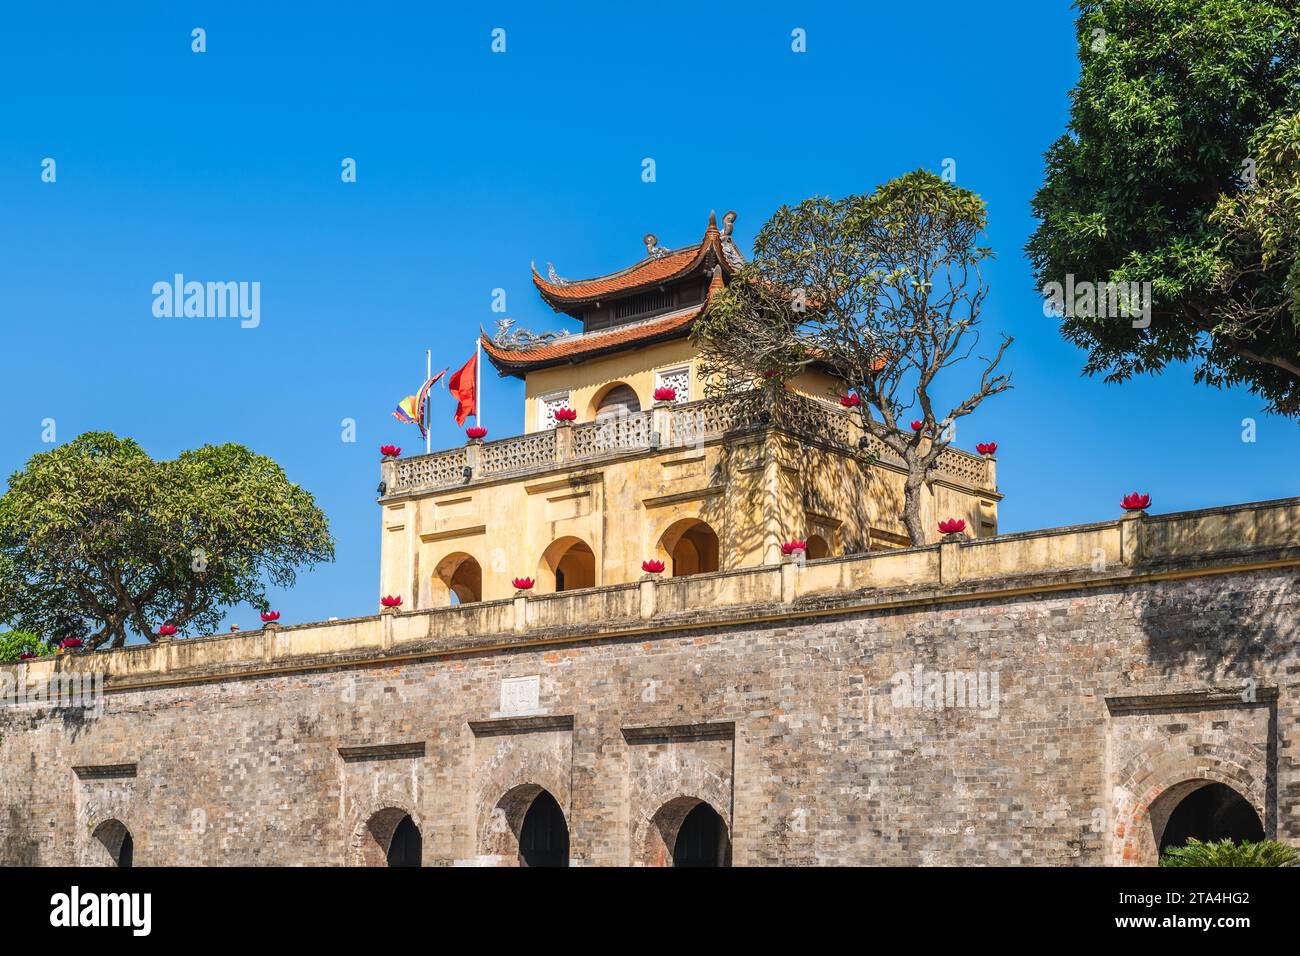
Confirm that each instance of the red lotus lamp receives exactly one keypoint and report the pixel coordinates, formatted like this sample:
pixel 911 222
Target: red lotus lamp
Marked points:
pixel 1136 502
pixel 952 526
pixel 652 566
pixel 476 432
pixel 523 584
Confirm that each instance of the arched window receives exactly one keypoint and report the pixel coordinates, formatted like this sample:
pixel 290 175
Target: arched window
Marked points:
pixel 617 401
pixel 817 548
pixel 458 579
pixel 692 547
pixel 544 837
pixel 406 847
pixel 569 564
pixel 1210 813
pixel 116 841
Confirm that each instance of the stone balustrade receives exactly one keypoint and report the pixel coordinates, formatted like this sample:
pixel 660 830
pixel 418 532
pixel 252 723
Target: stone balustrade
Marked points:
pixel 665 426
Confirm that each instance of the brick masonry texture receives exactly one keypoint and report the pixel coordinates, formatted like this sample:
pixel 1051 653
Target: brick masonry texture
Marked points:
pixel 802 733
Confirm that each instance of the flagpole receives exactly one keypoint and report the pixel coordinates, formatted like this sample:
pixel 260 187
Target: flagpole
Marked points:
pixel 478 380
pixel 428 374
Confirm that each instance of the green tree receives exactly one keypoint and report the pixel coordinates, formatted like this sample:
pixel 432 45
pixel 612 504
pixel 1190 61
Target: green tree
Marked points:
pixel 14 644
pixel 96 537
pixel 884 289
pixel 1227 853
pixel 1174 122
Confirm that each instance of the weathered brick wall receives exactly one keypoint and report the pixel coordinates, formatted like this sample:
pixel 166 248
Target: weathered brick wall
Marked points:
pixel 800 732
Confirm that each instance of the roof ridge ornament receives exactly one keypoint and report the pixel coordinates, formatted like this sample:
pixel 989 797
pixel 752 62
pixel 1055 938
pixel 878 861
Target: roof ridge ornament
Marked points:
pixel 522 339
pixel 652 247
pixel 728 220
pixel 555 280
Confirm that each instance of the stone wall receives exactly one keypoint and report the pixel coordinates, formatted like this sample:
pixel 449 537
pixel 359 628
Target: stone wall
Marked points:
pixel 1044 717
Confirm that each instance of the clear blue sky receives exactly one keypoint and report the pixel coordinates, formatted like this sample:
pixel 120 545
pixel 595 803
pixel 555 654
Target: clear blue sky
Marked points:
pixel 225 166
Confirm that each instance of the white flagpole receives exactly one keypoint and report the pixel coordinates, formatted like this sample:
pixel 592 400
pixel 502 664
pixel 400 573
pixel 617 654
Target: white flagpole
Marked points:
pixel 478 380
pixel 428 374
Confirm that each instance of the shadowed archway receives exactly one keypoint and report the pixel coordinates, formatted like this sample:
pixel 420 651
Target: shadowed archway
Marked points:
pixel 566 565
pixel 390 837
pixel 458 579
pixel 1208 812
pixel 117 843
pixel 691 546
pixel 687 831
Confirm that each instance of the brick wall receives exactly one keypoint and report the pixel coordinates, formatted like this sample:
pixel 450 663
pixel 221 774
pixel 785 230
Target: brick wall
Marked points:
pixel 834 739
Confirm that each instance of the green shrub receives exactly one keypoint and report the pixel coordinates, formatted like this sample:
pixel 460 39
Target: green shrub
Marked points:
pixel 1227 853
pixel 13 644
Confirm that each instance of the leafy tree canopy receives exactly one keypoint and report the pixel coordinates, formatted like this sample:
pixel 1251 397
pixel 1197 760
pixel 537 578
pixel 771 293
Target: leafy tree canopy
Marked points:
pixel 884 290
pixel 97 538
pixel 1178 169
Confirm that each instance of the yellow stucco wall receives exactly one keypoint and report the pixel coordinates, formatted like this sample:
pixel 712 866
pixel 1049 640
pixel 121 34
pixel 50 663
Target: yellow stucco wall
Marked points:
pixel 586 383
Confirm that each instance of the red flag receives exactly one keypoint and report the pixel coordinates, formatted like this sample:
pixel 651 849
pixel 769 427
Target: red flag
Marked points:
pixel 464 386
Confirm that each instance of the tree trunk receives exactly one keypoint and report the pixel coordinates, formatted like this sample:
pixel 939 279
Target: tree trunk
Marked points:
pixel 912 490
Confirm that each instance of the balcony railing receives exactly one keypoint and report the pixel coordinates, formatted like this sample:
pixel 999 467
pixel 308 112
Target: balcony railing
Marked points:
pixel 666 426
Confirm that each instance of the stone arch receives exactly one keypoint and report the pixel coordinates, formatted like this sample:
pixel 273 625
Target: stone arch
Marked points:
pixel 112 844
pixel 567 564
pixel 1206 810
pixel 1153 782
pixel 457 579
pixel 372 835
pixel 690 546
pixel 503 835
pixel 818 547
pixel 615 400
pixel 660 841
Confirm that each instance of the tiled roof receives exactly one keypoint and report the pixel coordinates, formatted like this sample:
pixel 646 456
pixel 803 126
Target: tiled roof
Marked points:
pixel 652 270
pixel 573 348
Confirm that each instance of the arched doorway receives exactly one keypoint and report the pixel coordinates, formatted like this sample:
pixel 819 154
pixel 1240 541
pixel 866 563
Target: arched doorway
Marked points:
pixel 691 546
pixel 687 831
pixel 391 837
pixel 1211 812
pixel 406 847
pixel 458 579
pixel 817 548
pixel 615 401
pixel 702 839
pixel 568 564
pixel 116 840
pixel 544 836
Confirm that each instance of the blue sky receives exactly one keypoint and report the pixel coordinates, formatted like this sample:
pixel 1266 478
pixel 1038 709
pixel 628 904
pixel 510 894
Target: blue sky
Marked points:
pixel 225 166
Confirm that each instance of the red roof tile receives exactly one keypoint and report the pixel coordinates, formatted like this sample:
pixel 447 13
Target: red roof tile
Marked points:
pixel 651 270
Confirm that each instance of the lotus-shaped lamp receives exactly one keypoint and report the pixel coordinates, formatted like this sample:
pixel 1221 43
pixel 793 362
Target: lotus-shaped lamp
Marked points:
pixel 167 630
pixel 71 643
pixel 665 393
pixel 269 616
pixel 523 584
pixel 389 600
pixel 795 544
pixel 390 451
pixel 566 415
pixel 475 432
pixel 851 400
pixel 652 566
pixel 987 448
pixel 917 425
pixel 952 526
pixel 1136 502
